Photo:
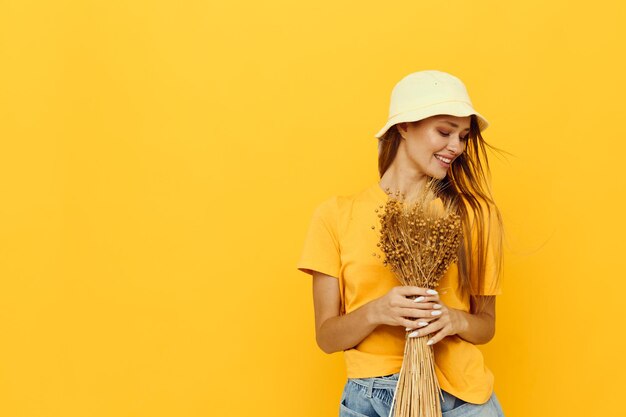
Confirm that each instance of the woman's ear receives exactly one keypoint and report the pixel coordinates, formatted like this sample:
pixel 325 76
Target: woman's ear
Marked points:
pixel 402 127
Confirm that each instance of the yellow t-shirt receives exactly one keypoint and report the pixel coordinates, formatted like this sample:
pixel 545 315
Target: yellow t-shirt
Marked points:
pixel 340 242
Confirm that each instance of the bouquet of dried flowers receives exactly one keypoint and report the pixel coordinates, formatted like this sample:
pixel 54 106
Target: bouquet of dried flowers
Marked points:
pixel 420 240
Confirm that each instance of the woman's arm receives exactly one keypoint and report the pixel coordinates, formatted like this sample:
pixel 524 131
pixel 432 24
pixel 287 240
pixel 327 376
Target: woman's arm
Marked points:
pixel 335 332
pixel 478 328
pixel 473 327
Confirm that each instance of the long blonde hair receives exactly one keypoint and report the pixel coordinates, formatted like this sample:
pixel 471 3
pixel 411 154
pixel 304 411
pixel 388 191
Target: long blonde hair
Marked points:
pixel 467 180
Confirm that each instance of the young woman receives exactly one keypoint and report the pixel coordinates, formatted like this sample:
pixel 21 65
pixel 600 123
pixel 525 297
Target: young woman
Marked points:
pixel 433 131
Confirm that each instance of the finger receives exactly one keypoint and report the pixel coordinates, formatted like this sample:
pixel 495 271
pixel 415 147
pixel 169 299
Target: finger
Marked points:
pixel 402 302
pixel 437 337
pixel 417 324
pixel 418 313
pixel 435 313
pixel 424 331
pixel 412 324
pixel 408 290
pixel 424 304
pixel 423 298
pixel 416 333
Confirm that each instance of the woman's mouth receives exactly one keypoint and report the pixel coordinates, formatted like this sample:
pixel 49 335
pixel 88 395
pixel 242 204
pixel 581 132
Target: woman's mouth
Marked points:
pixel 445 162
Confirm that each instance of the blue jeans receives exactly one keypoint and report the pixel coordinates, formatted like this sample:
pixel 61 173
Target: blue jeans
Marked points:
pixel 372 397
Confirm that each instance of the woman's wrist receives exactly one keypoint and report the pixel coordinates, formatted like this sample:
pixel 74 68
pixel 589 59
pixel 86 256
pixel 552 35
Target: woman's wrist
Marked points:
pixel 474 328
pixel 371 313
pixel 460 320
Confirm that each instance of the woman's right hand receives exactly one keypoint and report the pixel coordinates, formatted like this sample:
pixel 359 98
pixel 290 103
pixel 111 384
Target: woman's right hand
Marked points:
pixel 396 308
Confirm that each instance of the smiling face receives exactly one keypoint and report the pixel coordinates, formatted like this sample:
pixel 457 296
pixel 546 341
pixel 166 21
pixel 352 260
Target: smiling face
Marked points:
pixel 430 145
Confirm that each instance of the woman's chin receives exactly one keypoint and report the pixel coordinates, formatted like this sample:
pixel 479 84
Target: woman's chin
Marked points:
pixel 439 175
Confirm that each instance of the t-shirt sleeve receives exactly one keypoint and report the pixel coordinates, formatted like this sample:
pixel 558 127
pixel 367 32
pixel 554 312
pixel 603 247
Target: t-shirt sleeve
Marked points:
pixel 321 244
pixel 492 283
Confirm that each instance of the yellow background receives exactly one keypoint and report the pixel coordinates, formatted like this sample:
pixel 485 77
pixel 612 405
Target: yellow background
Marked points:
pixel 160 162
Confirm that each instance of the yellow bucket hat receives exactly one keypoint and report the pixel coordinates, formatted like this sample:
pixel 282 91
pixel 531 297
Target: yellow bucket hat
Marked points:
pixel 429 93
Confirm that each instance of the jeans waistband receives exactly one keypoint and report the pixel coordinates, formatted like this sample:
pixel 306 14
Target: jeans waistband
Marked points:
pixel 384 382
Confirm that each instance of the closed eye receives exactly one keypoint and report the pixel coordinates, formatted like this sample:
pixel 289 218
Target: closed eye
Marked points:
pixel 464 138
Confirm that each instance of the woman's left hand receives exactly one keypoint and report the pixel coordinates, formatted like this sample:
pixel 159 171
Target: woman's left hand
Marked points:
pixel 450 322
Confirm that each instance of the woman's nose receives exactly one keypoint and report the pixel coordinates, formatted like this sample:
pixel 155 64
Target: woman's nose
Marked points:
pixel 455 146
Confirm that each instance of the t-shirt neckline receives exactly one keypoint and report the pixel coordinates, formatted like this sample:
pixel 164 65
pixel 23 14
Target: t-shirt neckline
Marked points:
pixel 380 193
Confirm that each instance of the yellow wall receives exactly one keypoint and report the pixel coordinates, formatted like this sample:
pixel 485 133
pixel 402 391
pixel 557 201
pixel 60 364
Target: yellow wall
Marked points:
pixel 160 161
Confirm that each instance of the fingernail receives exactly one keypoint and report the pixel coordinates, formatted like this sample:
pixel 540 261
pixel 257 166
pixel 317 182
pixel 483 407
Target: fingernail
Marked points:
pixel 430 342
pixel 422 323
pixel 409 328
pixel 418 299
pixel 414 334
pixel 436 313
pixel 436 306
pixel 431 292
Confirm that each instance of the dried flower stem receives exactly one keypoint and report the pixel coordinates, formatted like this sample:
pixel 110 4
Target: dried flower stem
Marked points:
pixel 420 240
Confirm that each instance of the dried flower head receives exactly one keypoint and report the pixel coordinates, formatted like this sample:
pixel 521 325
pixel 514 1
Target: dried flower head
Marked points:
pixel 420 238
